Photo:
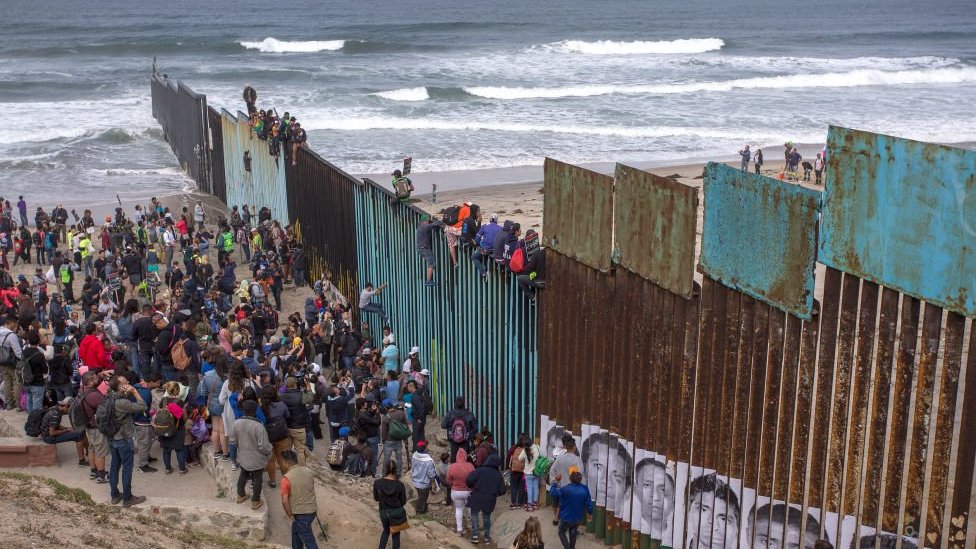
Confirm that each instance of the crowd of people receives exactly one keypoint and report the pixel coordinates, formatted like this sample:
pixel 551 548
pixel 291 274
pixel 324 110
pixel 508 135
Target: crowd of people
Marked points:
pixel 278 131
pixel 200 357
pixel 792 163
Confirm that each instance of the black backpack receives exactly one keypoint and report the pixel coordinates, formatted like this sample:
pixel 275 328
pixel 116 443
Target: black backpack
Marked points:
pixel 106 419
pixel 469 230
pixel 451 215
pixel 35 422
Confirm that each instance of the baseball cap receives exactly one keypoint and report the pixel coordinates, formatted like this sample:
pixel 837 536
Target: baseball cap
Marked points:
pixel 425 372
pixel 415 350
pixel 343 431
pixel 421 444
pixel 387 403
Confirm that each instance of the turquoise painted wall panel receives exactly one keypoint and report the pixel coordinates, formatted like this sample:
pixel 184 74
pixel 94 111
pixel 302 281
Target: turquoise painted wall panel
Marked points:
pixel 264 184
pixel 760 237
pixel 902 213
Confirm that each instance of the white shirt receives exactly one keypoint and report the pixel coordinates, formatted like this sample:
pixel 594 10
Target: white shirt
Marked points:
pixel 168 238
pixel 198 213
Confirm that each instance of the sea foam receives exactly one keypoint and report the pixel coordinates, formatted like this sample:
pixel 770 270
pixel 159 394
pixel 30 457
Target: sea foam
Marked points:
pixel 405 94
pixel 273 45
pixel 658 47
pixel 855 78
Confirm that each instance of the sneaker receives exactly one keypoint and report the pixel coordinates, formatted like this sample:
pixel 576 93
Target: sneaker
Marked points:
pixel 134 500
pixel 116 500
pixel 194 464
pixel 224 457
pixel 512 506
pixel 83 463
pixel 241 499
pixel 474 539
pixel 101 479
pixel 169 471
pixel 183 471
pixel 255 505
pixel 148 469
pixel 235 467
pixel 93 474
pixel 218 455
pixel 489 541
pixel 272 484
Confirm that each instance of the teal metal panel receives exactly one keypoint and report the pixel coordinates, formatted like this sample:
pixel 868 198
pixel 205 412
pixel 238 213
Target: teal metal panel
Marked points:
pixel 760 237
pixel 477 337
pixel 262 185
pixel 903 214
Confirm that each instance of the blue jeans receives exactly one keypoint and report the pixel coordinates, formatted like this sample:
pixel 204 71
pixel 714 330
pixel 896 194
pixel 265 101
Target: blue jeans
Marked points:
pixel 301 532
pixel 180 458
pixel 478 259
pixel 374 448
pixel 486 523
pixel 531 489
pixel 374 308
pixel 42 316
pixel 69 436
pixel 122 454
pixel 35 397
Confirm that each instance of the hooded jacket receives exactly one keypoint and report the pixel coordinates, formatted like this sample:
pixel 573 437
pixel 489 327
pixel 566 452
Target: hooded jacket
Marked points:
pixel 463 413
pixel 390 494
pixel 298 412
pixel 337 407
pixel 457 472
pixel 486 485
pixel 422 470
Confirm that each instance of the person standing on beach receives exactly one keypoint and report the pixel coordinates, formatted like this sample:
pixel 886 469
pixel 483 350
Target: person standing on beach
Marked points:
pixel 198 215
pixel 746 155
pixel 22 210
pixel 60 217
pixel 757 159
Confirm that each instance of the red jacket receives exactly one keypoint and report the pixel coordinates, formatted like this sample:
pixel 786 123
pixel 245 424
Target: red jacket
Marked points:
pixel 94 355
pixel 457 472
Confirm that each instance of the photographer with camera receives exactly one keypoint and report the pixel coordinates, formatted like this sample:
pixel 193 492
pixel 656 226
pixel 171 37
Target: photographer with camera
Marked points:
pixel 337 406
pixel 368 423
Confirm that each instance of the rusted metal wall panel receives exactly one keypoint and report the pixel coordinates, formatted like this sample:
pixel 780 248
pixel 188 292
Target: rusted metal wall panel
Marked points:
pixel 760 237
pixel 578 213
pixel 655 219
pixel 903 214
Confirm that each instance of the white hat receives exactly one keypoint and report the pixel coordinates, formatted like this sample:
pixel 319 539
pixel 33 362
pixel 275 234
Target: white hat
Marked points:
pixel 415 350
pixel 425 372
pixel 316 368
pixel 389 340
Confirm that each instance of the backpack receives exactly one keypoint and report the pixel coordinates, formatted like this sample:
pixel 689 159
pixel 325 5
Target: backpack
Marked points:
pixel 125 327
pixel 34 420
pixel 515 464
pixel 278 430
pixel 469 229
pixel 106 419
pixel 7 356
pixel 77 416
pixel 164 424
pixel 428 402
pixel 542 465
pixel 402 187
pixel 181 360
pixel 458 431
pixel 398 430
pixel 334 457
pixel 451 215
pixel 517 262
pixel 23 369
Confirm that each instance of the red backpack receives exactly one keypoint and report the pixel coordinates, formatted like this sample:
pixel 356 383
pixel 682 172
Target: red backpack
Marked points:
pixel 517 263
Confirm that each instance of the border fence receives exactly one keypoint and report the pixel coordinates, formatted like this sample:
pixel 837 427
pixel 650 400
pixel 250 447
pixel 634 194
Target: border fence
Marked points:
pixel 721 397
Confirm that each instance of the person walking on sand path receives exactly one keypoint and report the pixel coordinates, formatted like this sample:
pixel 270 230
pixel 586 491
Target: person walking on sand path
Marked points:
pixel 253 451
pixel 746 155
pixel 391 495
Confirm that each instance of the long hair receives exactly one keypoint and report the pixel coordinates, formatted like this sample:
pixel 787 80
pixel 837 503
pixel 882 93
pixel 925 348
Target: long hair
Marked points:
pixel 530 536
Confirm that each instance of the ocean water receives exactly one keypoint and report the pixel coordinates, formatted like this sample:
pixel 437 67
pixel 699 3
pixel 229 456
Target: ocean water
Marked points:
pixel 467 85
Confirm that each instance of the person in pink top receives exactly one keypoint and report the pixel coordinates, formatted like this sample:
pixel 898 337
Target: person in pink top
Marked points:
pixel 457 477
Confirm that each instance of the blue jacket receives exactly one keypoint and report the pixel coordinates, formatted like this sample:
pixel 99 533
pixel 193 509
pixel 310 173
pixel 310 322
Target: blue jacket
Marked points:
pixel 146 394
pixel 486 235
pixel 573 500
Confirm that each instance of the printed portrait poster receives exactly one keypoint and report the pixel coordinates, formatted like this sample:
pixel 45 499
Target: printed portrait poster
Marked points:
pixel 674 524
pixel 774 523
pixel 622 473
pixel 817 520
pixel 595 454
pixel 552 444
pixel 643 489
pixel 713 511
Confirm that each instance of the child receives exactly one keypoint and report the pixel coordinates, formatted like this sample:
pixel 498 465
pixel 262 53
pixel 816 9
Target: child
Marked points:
pixel 441 469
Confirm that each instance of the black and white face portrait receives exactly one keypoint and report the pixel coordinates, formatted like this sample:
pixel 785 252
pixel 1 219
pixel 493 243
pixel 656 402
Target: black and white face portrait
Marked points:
pixel 620 467
pixel 713 514
pixel 554 441
pixel 778 526
pixel 596 457
pixel 655 489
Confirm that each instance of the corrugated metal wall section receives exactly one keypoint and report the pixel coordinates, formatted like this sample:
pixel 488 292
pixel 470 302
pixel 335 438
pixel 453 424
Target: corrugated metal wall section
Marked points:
pixel 859 417
pixel 262 185
pixel 477 337
pixel 218 177
pixel 182 113
pixel 321 203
